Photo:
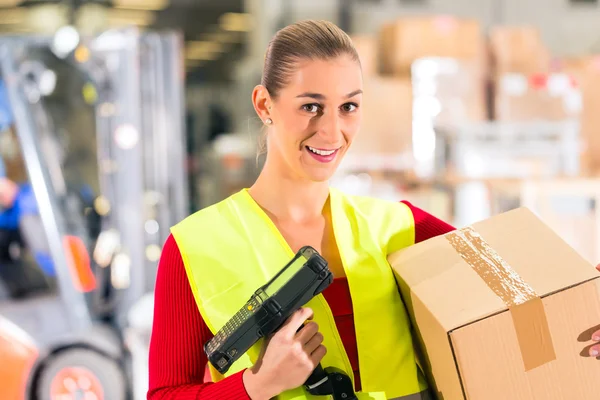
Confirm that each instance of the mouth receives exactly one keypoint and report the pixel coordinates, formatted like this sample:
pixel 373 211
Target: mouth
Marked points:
pixel 322 155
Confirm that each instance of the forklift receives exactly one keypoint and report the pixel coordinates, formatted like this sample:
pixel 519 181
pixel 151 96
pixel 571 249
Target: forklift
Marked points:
pixel 97 134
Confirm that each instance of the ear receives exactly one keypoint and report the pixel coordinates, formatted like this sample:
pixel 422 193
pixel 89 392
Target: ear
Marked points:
pixel 262 102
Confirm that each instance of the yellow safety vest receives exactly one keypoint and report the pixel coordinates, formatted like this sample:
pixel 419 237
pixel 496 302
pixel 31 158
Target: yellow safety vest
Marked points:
pixel 231 248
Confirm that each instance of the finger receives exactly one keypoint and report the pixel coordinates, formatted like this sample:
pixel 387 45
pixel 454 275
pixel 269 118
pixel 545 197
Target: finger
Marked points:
pixel 314 343
pixel 595 351
pixel 290 327
pixel 598 267
pixel 596 336
pixel 307 332
pixel 318 355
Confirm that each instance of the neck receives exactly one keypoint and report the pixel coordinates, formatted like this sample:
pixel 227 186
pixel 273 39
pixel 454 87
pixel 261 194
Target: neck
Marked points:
pixel 289 198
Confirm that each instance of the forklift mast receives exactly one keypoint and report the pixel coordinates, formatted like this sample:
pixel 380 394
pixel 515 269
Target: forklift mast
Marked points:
pixel 28 114
pixel 135 87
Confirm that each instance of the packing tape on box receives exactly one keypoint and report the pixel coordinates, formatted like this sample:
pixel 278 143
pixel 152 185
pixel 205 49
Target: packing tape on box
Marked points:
pixel 525 306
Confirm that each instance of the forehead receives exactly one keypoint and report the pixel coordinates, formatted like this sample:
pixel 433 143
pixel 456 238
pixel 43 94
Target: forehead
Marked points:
pixel 333 78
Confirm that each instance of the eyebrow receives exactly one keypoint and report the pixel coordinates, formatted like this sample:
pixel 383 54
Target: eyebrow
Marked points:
pixel 319 96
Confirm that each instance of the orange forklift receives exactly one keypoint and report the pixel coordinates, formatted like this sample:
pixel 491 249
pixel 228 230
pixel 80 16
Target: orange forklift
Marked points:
pixel 95 135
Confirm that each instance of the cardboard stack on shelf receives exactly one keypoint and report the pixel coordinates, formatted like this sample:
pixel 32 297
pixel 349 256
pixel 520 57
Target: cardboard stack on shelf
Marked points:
pixel 385 138
pixel 535 132
pixel 408 39
pixel 527 89
pixel 386 141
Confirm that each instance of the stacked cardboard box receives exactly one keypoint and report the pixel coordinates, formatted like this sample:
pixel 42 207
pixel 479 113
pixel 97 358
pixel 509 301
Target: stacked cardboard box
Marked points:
pixel 570 206
pixel 448 90
pixel 586 71
pixel 518 49
pixel 386 117
pixel 406 40
pixel 537 97
pixel 386 112
pixel 390 98
pixel 523 88
pixel 366 46
pixel 504 309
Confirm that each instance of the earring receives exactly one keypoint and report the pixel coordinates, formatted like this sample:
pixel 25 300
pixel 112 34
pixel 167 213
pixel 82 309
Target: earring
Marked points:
pixel 269 121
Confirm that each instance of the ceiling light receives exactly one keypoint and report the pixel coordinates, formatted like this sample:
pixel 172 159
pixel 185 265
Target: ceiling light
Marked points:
pixel 224 37
pixel 236 22
pixel 10 3
pixel 48 18
pixel 149 5
pixel 203 46
pixel 203 50
pixel 12 16
pixel 91 18
pixel 122 17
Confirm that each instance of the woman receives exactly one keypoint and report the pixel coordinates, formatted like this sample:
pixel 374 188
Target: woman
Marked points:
pixel 309 100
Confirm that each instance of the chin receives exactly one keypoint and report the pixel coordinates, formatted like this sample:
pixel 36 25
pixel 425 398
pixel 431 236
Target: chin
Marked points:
pixel 320 176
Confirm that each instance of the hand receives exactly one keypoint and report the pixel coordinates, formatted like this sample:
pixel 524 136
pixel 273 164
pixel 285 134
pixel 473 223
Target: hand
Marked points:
pixel 288 358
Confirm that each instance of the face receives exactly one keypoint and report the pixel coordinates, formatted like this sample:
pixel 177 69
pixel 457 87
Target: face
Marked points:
pixel 8 192
pixel 315 117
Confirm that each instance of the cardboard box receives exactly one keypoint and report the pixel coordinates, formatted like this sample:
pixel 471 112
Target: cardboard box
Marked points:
pixel 449 91
pixel 571 207
pixel 518 49
pixel 366 46
pixel 546 97
pixel 408 39
pixel 586 70
pixel 386 126
pixel 503 310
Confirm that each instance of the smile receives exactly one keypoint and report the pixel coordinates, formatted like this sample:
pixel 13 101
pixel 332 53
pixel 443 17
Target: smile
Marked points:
pixel 321 152
pixel 322 155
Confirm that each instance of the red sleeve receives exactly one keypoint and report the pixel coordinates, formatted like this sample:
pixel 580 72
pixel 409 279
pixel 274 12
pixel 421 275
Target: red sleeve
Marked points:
pixel 426 225
pixel 177 361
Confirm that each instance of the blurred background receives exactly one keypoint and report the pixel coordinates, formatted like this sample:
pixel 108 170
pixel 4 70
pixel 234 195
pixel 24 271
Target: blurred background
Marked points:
pixel 119 118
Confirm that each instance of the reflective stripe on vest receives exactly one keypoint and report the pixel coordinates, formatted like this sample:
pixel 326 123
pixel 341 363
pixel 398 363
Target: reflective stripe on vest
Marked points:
pixel 232 248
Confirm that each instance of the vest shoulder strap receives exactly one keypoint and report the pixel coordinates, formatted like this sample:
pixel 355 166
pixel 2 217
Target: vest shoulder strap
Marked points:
pixel 391 221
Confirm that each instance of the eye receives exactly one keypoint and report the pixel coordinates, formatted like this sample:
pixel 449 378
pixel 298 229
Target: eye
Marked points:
pixel 311 108
pixel 349 107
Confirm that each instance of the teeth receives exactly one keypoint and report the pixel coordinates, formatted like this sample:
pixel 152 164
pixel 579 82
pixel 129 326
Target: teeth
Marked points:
pixel 321 152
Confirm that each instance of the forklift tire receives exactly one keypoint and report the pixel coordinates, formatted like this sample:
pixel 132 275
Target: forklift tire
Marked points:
pixel 83 374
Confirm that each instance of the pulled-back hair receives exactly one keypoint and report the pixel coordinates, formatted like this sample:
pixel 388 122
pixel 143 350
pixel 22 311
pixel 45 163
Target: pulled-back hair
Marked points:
pixel 305 40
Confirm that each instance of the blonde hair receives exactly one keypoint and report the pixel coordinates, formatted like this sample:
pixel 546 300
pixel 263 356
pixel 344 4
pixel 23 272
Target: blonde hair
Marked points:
pixel 309 39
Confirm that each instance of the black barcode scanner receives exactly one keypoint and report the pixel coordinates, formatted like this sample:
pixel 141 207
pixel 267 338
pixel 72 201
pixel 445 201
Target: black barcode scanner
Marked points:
pixel 304 277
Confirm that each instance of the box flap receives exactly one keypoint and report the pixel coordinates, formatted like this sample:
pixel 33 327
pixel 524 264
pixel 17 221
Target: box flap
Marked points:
pixel 457 295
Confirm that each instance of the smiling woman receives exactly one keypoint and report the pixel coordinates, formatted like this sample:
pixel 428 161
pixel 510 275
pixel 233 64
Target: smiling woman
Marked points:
pixel 310 101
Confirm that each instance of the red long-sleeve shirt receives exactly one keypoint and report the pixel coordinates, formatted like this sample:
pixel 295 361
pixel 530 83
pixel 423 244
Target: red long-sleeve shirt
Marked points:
pixel 177 360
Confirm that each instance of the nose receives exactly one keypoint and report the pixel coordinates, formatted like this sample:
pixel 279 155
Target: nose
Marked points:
pixel 331 127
